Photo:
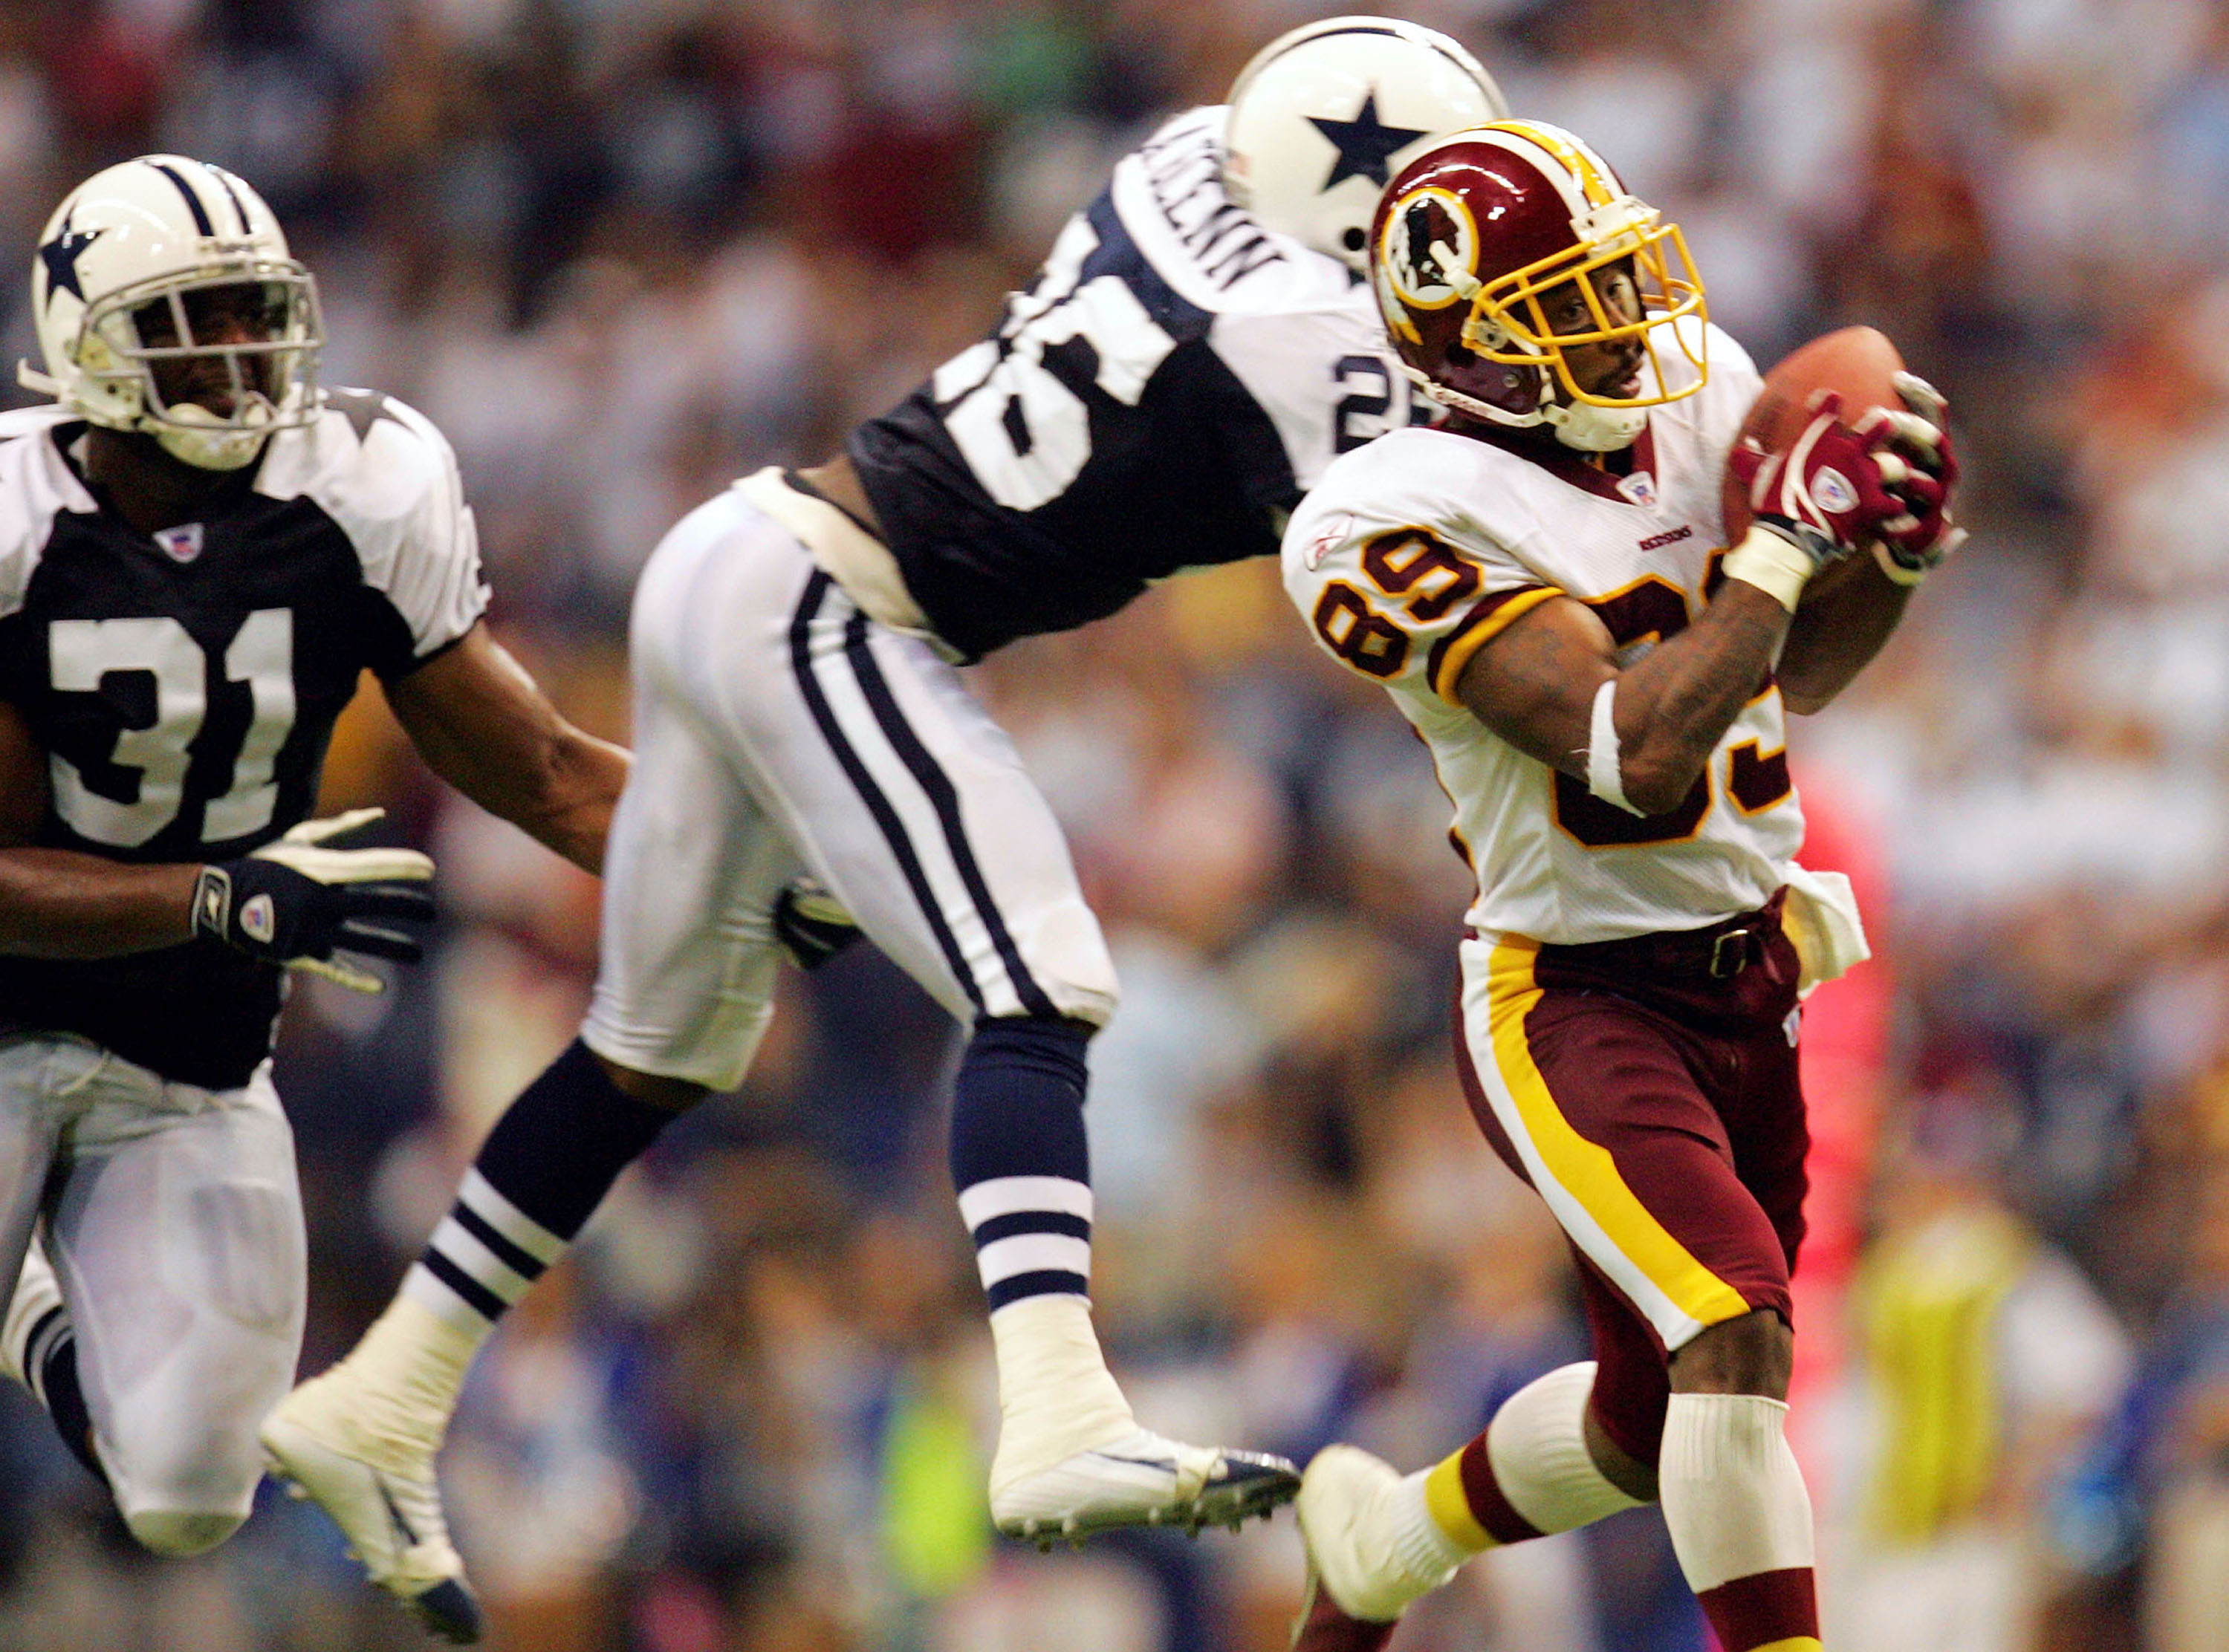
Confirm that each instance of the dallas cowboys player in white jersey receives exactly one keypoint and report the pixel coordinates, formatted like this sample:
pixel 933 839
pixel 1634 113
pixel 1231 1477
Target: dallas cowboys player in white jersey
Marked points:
pixel 1197 348
pixel 200 555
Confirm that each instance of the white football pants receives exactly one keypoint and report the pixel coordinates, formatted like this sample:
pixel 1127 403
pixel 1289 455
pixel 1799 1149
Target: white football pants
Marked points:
pixel 778 728
pixel 174 1226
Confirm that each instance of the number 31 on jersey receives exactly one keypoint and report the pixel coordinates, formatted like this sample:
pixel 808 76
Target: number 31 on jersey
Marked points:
pixel 83 652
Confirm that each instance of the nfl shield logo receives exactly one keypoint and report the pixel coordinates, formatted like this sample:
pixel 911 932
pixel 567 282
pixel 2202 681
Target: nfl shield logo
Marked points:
pixel 182 543
pixel 1640 488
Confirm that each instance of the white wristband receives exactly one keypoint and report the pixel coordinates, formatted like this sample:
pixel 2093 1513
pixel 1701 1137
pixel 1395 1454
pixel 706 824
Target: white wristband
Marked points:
pixel 1769 562
pixel 1605 773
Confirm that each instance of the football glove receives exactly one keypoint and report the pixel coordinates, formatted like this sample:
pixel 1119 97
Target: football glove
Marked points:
pixel 1829 492
pixel 1908 551
pixel 294 901
pixel 811 923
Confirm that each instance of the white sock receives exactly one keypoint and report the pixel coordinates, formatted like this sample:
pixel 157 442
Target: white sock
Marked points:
pixel 1056 1396
pixel 399 1385
pixel 1538 1445
pixel 1733 1497
pixel 1422 1545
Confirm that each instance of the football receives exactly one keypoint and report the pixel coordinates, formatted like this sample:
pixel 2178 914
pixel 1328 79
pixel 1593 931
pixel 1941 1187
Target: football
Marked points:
pixel 1857 363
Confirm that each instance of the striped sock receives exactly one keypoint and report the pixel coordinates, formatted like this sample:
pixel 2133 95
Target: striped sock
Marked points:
pixel 1023 1169
pixel 545 1168
pixel 1530 1474
pixel 483 1257
pixel 1740 1520
pixel 1020 1160
pixel 50 1373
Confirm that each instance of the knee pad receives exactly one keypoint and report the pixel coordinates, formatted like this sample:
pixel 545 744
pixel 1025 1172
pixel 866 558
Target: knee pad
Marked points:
pixel 178 1533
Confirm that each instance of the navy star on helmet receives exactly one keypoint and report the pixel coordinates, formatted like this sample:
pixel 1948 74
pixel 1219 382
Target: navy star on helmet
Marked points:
pixel 152 232
pixel 60 255
pixel 1325 115
pixel 1364 143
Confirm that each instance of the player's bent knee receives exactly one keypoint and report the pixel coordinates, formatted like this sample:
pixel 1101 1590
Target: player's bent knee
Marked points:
pixel 1069 958
pixel 178 1533
pixel 1753 1355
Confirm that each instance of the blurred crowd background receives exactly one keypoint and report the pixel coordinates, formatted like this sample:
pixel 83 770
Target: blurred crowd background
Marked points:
pixel 623 251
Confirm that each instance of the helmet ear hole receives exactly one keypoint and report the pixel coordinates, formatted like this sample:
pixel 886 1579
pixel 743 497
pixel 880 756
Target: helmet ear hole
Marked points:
pixel 1355 238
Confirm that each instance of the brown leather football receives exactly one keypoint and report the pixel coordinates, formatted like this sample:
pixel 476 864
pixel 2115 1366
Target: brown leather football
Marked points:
pixel 1857 363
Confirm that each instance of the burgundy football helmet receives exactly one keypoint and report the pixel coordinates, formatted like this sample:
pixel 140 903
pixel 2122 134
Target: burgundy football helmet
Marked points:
pixel 1477 230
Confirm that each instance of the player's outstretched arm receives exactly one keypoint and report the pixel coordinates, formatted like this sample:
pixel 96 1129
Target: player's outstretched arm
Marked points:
pixel 484 726
pixel 1539 685
pixel 291 902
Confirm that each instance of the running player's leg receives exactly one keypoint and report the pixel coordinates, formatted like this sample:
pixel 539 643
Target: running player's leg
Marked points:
pixel 913 807
pixel 684 996
pixel 176 1232
pixel 1597 1106
pixel 37 1347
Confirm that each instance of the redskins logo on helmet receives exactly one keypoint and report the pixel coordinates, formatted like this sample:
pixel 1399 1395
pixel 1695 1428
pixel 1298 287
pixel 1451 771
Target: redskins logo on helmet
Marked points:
pixel 1433 244
pixel 1482 231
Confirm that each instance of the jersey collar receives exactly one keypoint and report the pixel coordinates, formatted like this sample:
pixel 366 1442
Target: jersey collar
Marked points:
pixel 1538 447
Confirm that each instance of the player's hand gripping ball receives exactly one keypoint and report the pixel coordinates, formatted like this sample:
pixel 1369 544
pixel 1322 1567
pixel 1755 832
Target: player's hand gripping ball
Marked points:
pixel 1844 448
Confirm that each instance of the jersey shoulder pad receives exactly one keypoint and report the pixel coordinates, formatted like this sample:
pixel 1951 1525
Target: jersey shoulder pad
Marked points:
pixel 389 479
pixel 1401 578
pixel 1169 197
pixel 36 486
pixel 367 458
pixel 1472 494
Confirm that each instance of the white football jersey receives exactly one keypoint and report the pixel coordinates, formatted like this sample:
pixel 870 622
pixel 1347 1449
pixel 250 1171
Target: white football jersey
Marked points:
pixel 1414 552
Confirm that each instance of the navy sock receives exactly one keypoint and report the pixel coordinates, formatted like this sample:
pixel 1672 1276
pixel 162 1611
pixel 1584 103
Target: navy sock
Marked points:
pixel 1020 1160
pixel 50 1368
pixel 545 1168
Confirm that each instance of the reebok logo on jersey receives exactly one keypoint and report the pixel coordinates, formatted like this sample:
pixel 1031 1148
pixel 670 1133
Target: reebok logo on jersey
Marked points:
pixel 1658 542
pixel 259 919
pixel 182 543
pixel 1333 534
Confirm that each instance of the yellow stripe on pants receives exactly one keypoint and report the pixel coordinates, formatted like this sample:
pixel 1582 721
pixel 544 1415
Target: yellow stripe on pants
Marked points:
pixel 1585 1171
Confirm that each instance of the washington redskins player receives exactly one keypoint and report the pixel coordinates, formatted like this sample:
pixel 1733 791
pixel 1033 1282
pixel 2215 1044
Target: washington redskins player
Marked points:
pixel 1538 582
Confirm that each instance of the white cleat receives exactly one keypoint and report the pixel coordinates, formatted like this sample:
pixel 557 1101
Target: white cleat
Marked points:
pixel 382 1495
pixel 1142 1479
pixel 1350 1526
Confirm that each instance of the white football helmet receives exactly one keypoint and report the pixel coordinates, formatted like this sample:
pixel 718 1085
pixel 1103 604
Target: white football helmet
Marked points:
pixel 1326 113
pixel 150 232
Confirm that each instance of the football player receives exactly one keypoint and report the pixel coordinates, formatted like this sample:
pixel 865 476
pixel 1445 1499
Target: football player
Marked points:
pixel 1538 583
pixel 200 555
pixel 1197 347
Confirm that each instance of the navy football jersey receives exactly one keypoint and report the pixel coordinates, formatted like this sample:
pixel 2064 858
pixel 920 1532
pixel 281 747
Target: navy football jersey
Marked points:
pixel 1159 399
pixel 184 686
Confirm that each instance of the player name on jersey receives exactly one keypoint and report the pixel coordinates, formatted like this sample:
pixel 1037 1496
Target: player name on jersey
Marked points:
pixel 1158 399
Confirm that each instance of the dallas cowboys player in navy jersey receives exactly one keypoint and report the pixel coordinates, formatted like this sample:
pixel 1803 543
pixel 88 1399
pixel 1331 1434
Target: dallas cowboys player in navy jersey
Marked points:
pixel 1197 347
pixel 200 553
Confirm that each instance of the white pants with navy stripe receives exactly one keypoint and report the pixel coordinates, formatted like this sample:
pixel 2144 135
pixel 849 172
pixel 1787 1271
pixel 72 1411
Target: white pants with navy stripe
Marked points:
pixel 175 1227
pixel 778 728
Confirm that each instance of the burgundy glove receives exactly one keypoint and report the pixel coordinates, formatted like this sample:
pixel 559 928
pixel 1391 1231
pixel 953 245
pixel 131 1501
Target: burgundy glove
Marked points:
pixel 1909 550
pixel 1830 491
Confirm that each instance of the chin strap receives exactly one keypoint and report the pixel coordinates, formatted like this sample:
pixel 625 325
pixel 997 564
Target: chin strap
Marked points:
pixel 1582 426
pixel 1590 429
